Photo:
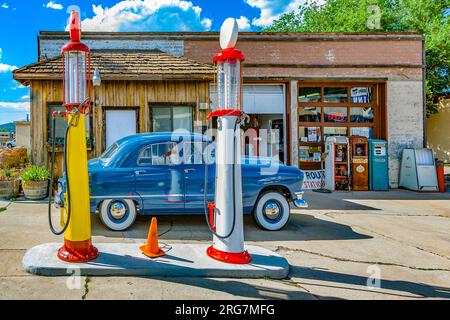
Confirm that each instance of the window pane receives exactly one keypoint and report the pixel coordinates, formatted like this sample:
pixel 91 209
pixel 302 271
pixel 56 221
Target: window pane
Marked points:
pixel 310 134
pixel 310 153
pixel 309 94
pixel 158 154
pixel 362 131
pixel 335 95
pixel 335 114
pixel 334 131
pixel 361 95
pixel 110 151
pixel 161 119
pixel 361 115
pixel 61 126
pixel 193 152
pixel 182 118
pixel 310 114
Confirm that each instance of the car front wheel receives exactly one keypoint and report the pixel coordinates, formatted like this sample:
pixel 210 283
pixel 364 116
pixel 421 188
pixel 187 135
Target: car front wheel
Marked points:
pixel 271 211
pixel 9 145
pixel 118 214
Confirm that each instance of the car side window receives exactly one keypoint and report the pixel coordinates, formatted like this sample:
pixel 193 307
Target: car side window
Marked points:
pixel 158 154
pixel 193 152
pixel 198 152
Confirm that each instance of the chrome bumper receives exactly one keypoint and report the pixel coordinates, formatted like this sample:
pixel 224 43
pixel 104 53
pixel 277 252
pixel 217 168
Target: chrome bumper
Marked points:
pixel 300 202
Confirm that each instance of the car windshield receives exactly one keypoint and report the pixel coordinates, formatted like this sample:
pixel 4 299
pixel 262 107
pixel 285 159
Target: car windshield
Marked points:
pixel 109 152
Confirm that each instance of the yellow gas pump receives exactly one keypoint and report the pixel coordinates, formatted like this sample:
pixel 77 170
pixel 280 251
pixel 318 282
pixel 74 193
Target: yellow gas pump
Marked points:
pixel 75 216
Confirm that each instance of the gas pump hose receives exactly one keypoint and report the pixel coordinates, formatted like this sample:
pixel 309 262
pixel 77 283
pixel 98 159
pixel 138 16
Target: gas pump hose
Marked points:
pixel 205 192
pixel 50 196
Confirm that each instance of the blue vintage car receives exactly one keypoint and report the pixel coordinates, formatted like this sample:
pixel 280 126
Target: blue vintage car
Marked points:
pixel 164 174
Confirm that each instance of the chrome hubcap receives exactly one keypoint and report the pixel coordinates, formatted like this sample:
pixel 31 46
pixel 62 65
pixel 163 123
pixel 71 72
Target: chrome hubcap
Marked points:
pixel 118 210
pixel 272 210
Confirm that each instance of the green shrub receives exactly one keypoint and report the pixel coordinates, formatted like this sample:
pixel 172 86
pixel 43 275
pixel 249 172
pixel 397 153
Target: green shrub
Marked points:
pixel 35 173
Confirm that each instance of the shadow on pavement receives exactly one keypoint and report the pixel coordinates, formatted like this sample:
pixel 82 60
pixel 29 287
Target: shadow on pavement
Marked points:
pixel 342 279
pixel 301 227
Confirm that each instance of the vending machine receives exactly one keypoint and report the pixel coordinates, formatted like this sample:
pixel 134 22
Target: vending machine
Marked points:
pixel 337 163
pixel 359 147
pixel 418 170
pixel 378 165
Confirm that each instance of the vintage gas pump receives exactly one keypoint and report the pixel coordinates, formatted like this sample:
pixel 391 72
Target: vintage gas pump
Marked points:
pixel 76 90
pixel 227 213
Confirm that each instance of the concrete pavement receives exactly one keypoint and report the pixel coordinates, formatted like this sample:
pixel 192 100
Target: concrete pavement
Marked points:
pixel 338 246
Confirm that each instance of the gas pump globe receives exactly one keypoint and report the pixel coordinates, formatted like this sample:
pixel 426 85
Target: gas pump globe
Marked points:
pixel 226 213
pixel 76 66
pixel 229 73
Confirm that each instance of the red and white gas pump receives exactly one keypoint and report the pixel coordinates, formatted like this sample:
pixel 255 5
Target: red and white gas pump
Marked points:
pixel 227 212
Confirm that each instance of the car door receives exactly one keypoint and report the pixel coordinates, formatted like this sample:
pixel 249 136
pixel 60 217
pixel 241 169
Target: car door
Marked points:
pixel 159 179
pixel 194 176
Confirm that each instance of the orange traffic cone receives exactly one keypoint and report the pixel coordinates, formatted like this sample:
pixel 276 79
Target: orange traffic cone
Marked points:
pixel 151 248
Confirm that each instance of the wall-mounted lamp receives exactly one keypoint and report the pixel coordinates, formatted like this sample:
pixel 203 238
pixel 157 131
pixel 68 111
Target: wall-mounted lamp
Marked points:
pixel 96 82
pixel 96 79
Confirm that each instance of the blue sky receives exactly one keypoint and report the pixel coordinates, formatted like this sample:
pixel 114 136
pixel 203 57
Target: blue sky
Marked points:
pixel 20 22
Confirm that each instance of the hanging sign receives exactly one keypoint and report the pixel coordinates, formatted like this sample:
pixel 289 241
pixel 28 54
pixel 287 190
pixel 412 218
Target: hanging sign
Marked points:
pixel 314 179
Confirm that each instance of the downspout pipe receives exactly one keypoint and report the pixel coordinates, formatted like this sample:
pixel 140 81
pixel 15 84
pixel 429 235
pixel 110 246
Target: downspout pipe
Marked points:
pixel 424 78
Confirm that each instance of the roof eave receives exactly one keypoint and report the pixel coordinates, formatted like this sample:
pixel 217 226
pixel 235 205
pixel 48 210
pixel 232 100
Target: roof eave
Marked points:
pixel 26 78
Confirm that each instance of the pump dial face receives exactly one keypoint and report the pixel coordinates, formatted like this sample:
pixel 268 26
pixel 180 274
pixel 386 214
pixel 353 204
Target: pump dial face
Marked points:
pixel 229 33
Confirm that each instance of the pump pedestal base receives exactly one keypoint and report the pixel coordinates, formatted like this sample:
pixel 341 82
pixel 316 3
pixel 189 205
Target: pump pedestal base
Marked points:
pixel 180 260
pixel 77 251
pixel 229 257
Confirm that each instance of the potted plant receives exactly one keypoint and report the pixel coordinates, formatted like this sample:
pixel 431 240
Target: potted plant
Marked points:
pixel 9 183
pixel 35 182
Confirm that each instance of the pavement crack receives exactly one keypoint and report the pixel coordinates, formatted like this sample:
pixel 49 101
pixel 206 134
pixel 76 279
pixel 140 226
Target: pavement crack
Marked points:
pixel 328 214
pixel 168 230
pixel 281 248
pixel 289 282
pixel 6 207
pixel 86 287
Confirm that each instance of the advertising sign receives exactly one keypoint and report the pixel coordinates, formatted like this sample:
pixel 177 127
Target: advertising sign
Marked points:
pixel 314 179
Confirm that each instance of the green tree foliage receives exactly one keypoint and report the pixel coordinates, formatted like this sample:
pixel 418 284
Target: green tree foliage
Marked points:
pixel 429 17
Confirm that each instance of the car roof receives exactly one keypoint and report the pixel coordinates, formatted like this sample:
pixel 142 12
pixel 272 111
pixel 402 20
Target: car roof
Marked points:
pixel 151 137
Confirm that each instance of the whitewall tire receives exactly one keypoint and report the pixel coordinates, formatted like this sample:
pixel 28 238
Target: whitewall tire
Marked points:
pixel 271 211
pixel 118 214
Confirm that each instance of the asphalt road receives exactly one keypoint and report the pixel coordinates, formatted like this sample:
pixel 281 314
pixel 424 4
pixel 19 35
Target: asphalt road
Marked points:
pixel 337 249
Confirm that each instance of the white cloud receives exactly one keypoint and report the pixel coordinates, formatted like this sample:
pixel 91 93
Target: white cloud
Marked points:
pixel 26 97
pixel 23 106
pixel 243 23
pixel 5 5
pixel 5 67
pixel 273 9
pixel 53 5
pixel 147 15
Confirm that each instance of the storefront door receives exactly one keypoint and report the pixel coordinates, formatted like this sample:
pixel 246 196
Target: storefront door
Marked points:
pixel 119 124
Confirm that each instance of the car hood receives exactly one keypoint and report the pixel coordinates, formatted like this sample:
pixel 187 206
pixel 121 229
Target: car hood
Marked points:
pixel 95 164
